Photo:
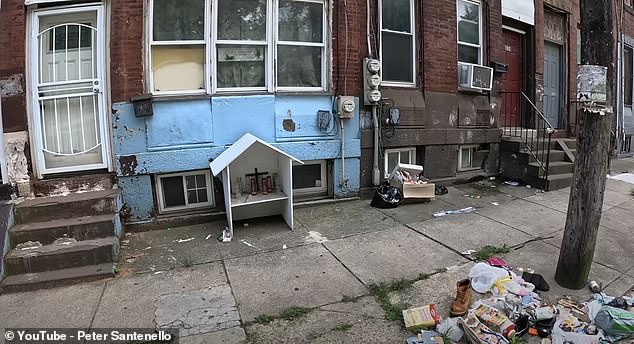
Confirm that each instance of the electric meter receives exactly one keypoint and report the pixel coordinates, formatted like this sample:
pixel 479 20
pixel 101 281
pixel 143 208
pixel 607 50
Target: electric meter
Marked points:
pixel 374 96
pixel 374 66
pixel 374 80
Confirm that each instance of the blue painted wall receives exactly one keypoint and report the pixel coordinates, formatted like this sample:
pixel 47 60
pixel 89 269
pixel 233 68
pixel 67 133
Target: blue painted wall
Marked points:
pixel 183 135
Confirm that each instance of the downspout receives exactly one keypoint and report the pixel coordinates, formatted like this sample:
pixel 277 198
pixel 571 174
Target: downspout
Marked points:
pixel 620 110
pixel 3 156
pixel 376 173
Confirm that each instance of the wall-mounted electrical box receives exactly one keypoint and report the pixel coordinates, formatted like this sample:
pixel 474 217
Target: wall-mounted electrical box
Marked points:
pixel 371 81
pixel 345 107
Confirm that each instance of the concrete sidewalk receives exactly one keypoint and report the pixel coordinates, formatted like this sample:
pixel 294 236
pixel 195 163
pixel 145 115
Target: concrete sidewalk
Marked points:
pixel 273 285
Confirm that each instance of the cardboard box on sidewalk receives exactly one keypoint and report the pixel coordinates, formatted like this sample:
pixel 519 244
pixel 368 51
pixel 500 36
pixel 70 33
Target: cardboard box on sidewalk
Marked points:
pixel 414 187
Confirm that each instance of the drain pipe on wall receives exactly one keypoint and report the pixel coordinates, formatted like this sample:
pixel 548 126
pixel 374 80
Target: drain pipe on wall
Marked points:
pixel 344 182
pixel 376 173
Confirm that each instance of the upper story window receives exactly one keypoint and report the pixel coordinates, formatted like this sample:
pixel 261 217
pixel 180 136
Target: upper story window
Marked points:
pixel 197 46
pixel 398 42
pixel 628 54
pixel 469 31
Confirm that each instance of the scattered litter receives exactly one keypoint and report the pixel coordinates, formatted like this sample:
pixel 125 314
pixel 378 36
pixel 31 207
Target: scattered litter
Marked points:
pixel 472 196
pixel 451 328
pixel 184 240
pixel 29 245
pixel 491 178
pixel 511 183
pixel 284 247
pixel 528 186
pixel 226 236
pixel 594 286
pixel 419 318
pixel 246 224
pixel 169 229
pixel 624 177
pixel 316 237
pixel 440 190
pixel 495 203
pixel 147 248
pixel 386 197
pixel 159 272
pixel 246 243
pixel 468 252
pixel 130 260
pixel 208 236
pixel 496 320
pixel 615 322
pixel 64 241
pixel 452 212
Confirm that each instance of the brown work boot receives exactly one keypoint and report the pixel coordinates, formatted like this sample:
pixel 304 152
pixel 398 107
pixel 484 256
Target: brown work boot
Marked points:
pixel 462 302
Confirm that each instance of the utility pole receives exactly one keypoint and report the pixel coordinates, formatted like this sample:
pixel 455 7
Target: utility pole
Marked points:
pixel 594 88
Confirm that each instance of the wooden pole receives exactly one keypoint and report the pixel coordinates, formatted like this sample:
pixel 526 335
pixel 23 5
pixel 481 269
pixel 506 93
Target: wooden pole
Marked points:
pixel 593 142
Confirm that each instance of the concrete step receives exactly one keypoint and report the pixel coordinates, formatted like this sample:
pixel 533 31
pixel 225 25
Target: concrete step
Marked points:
pixel 555 167
pixel 570 143
pixel 555 155
pixel 66 207
pixel 559 181
pixel 53 186
pixel 59 255
pixel 516 143
pixel 80 229
pixel 50 279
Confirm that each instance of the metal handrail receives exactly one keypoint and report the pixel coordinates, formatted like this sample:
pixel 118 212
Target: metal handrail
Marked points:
pixel 534 131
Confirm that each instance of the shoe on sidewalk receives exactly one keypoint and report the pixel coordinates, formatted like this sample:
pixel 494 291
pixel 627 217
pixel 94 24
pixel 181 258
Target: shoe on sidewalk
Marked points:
pixel 462 302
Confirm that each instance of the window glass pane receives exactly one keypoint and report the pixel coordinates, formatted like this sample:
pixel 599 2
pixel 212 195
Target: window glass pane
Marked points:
pixel 468 54
pixel 468 22
pixel 395 15
pixel 202 195
pixel 392 161
pixel 178 67
pixel 179 20
pixel 627 75
pixel 405 158
pixel 190 181
pixel 173 191
pixel 397 57
pixel 300 21
pixel 72 41
pixel 306 176
pixel 299 66
pixel 464 162
pixel 242 20
pixel 241 66
pixel 201 181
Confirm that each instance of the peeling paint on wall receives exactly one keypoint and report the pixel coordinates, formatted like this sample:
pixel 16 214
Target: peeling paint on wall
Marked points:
pixel 288 125
pixel 12 85
pixel 128 165
pixel 17 162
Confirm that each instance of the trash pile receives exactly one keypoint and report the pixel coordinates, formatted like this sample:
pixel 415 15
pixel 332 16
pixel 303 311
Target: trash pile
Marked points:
pixel 515 309
pixel 406 184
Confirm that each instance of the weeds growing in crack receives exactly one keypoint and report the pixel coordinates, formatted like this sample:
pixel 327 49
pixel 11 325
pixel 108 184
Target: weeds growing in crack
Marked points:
pixel 489 251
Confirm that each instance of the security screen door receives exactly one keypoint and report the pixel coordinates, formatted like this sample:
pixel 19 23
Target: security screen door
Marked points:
pixel 68 107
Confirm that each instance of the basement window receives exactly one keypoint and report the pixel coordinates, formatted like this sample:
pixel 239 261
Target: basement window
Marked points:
pixel 471 157
pixel 180 191
pixel 310 178
pixel 399 155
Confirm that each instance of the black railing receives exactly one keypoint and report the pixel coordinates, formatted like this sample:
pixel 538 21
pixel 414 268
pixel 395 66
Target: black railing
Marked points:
pixel 520 118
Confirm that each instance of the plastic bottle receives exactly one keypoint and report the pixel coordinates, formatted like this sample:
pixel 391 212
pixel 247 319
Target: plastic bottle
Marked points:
pixel 496 319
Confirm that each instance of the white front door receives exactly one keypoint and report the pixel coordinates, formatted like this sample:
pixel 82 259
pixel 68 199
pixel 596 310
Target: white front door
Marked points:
pixel 68 108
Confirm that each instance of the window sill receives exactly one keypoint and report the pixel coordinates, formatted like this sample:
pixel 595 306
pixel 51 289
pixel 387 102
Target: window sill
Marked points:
pixel 472 91
pixel 398 85
pixel 182 96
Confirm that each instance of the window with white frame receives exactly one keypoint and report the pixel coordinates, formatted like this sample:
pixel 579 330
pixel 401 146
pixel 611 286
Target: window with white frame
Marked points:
pixel 309 178
pixel 469 158
pixel 397 42
pixel 469 31
pixel 205 46
pixel 399 155
pixel 179 191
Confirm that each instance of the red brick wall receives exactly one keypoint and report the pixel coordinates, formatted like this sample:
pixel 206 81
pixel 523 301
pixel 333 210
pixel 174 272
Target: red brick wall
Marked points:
pixel 12 61
pixel 440 46
pixel 349 46
pixel 126 49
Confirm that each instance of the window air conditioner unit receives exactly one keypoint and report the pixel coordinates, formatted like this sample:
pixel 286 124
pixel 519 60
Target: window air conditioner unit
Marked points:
pixel 475 76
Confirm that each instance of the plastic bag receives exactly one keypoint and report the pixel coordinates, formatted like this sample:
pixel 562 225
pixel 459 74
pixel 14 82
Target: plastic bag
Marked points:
pixel 451 328
pixel 512 284
pixel 615 322
pixel 571 330
pixel 386 197
pixel 483 276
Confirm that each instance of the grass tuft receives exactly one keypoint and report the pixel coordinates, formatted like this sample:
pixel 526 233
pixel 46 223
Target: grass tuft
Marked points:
pixel 348 299
pixel 343 327
pixel 293 313
pixel 264 319
pixel 489 251
pixel 632 192
pixel 185 261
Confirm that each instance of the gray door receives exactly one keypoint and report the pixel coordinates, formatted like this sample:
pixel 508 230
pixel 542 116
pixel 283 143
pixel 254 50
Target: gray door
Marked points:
pixel 552 83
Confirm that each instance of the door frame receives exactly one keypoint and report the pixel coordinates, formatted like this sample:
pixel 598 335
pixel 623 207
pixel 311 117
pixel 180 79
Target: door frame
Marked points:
pixel 32 48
